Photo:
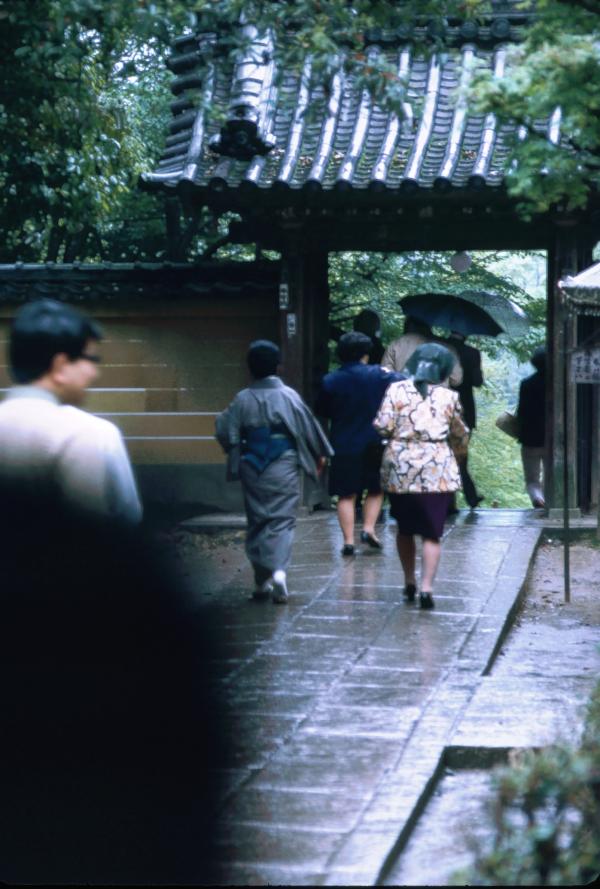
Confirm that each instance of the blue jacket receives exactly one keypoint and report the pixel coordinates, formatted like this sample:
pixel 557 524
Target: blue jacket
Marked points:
pixel 350 397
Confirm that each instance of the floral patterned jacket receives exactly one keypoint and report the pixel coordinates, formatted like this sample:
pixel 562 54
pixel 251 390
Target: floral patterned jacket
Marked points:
pixel 425 436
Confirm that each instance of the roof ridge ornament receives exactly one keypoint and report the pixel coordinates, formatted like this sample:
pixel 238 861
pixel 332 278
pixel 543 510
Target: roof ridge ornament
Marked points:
pixel 246 132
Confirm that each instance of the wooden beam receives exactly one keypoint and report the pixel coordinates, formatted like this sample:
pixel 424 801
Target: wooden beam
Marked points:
pixel 568 254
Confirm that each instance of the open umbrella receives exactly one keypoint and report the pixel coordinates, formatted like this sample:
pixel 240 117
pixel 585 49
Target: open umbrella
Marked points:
pixel 471 312
pixel 511 317
pixel 450 312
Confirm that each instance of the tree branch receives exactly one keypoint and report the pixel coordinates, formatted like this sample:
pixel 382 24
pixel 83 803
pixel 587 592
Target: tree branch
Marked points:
pixel 589 5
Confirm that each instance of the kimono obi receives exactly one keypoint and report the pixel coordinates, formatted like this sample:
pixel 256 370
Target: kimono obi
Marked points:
pixel 262 445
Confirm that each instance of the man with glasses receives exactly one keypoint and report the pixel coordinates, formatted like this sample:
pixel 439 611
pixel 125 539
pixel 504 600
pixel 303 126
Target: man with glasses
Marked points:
pixel 48 446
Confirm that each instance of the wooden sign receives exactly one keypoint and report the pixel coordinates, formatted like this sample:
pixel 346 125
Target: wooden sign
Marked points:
pixel 585 365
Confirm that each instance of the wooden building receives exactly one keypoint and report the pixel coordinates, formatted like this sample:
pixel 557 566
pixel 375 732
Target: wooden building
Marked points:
pixel 172 357
pixel 310 172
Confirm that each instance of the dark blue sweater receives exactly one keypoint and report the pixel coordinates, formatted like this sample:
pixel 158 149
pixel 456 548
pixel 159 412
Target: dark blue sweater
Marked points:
pixel 350 397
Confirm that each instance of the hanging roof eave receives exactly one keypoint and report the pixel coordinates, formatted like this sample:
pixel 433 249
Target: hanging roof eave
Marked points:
pixel 286 142
pixel 581 293
pixel 138 282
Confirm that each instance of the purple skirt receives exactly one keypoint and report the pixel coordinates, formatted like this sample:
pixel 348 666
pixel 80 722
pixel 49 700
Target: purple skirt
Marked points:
pixel 422 514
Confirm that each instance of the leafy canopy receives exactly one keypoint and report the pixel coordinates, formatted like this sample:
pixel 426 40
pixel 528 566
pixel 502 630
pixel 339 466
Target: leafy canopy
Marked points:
pixel 84 104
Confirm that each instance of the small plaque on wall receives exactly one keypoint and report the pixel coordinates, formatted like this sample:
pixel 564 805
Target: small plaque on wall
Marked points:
pixel 585 365
pixel 284 296
pixel 291 324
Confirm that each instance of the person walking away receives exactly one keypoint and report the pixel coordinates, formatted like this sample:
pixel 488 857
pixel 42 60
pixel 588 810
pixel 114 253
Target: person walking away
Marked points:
pixel 417 333
pixel 368 322
pixel 350 397
pixel 422 420
pixel 48 446
pixel 470 359
pixel 268 433
pixel 531 415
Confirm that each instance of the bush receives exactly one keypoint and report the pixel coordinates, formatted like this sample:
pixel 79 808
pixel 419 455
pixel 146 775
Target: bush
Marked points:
pixel 547 817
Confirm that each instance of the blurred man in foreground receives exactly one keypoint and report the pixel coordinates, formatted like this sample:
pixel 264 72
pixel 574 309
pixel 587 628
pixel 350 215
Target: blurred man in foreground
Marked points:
pixel 46 441
pixel 109 730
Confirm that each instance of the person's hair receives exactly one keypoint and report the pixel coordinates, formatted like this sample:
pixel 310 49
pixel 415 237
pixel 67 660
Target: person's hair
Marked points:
pixel 367 321
pixel 352 346
pixel 538 359
pixel 429 363
pixel 414 325
pixel 45 328
pixel 263 358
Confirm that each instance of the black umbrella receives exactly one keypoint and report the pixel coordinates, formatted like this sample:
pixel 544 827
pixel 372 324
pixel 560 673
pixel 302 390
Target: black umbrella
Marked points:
pixel 450 312
pixel 511 317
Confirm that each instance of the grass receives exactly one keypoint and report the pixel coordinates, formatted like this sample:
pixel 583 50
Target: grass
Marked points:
pixel 495 460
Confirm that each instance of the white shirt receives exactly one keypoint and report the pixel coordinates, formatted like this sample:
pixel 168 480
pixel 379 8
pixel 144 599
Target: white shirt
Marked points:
pixel 84 455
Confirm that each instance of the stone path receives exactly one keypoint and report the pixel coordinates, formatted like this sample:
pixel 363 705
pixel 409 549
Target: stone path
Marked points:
pixel 341 704
pixel 535 694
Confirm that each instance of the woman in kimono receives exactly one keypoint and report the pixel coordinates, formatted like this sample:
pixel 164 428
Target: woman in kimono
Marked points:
pixel 422 420
pixel 269 433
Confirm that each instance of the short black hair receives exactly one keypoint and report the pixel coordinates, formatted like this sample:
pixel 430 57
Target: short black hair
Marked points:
pixel 367 321
pixel 352 346
pixel 45 328
pixel 538 359
pixel 263 358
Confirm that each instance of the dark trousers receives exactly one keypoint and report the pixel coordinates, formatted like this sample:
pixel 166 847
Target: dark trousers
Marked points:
pixel 468 485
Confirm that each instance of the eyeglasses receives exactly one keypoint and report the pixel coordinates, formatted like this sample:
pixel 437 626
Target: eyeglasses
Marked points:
pixel 95 358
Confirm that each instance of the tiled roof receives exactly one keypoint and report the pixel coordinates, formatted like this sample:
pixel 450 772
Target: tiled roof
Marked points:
pixel 582 291
pixel 86 282
pixel 287 138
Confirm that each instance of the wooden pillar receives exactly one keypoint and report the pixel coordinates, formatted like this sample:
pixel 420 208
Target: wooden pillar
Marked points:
pixel 567 255
pixel 303 326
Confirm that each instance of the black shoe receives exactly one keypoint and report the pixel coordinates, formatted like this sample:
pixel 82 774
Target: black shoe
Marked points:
pixel 426 600
pixel 348 549
pixel 365 537
pixel 476 502
pixel 410 592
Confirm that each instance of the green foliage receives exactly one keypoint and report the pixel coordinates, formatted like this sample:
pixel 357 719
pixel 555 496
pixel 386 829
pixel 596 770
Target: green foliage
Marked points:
pixel 84 104
pixel 83 96
pixel 378 281
pixel 547 817
pixel 495 458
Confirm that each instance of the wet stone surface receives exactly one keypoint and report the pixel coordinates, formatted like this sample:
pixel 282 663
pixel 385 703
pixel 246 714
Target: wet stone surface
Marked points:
pixel 535 694
pixel 340 704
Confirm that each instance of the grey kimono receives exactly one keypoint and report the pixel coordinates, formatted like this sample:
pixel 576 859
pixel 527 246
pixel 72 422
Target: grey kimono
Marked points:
pixel 271 487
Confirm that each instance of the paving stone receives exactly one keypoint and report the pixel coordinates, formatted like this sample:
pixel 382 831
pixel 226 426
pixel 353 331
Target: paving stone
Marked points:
pixel 265 699
pixel 377 696
pixel 318 808
pixel 234 874
pixel 269 844
pixel 361 722
pixel 315 646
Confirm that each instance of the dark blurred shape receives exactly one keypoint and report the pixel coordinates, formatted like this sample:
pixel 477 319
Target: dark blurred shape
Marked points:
pixel 109 728
pixel 451 312
pixel 368 322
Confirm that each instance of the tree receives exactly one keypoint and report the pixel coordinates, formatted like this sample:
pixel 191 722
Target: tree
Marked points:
pixel 84 103
pixel 378 281
pixel 83 97
pixel 556 66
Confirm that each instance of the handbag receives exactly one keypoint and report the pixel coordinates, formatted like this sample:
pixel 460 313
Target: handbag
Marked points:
pixel 508 424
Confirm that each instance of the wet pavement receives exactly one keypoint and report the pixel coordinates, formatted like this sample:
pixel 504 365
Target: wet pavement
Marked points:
pixel 341 704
